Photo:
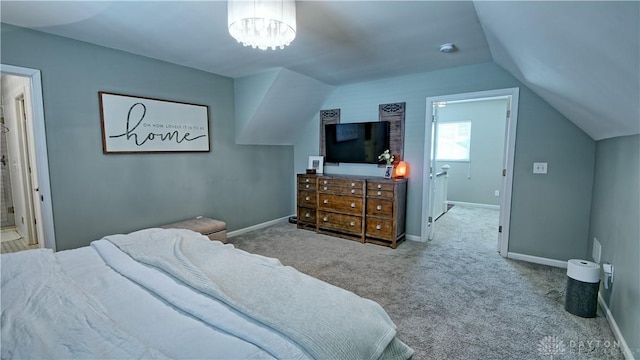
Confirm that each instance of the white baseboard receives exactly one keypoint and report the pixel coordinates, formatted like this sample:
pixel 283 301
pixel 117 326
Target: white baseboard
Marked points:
pixel 258 226
pixel 286 218
pixel 626 351
pixel 486 206
pixel 414 238
pixel 537 260
pixel 624 348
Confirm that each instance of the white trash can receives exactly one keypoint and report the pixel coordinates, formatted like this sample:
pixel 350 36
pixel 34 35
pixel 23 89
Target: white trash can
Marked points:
pixel 583 281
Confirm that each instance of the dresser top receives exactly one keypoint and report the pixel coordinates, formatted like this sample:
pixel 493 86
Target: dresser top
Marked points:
pixel 356 177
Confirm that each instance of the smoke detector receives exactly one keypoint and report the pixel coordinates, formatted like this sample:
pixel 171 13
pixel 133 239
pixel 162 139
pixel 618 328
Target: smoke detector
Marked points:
pixel 448 48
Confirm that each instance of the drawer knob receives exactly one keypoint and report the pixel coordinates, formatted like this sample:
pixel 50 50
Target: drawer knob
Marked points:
pixel 308 198
pixel 353 184
pixel 325 219
pixel 353 223
pixel 378 227
pixel 353 191
pixel 325 182
pixel 325 188
pixel 307 186
pixel 379 193
pixel 379 186
pixel 307 215
pixel 353 205
pixel 306 180
pixel 379 207
pixel 326 201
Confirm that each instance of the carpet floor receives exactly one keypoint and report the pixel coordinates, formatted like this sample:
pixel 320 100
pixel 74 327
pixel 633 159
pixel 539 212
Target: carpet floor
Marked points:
pixel 451 298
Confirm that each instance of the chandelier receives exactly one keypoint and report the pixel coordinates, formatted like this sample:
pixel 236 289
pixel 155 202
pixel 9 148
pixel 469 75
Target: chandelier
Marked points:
pixel 262 24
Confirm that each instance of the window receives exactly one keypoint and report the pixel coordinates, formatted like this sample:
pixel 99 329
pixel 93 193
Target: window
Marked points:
pixel 454 141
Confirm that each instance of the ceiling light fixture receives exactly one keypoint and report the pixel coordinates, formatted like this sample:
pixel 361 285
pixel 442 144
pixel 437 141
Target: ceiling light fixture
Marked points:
pixel 262 24
pixel 448 48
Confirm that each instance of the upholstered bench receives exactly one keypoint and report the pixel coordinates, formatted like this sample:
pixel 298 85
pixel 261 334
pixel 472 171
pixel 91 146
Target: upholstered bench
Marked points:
pixel 213 229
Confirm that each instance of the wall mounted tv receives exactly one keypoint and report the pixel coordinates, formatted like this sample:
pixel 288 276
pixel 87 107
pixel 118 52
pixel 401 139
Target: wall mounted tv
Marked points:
pixel 356 142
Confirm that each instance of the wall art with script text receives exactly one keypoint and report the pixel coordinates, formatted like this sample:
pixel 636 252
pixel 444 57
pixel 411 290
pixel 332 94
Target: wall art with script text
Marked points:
pixel 132 124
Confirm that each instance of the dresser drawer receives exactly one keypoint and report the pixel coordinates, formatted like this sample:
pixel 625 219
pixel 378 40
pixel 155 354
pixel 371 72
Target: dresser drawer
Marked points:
pixel 306 216
pixel 349 183
pixel 379 194
pixel 379 228
pixel 380 207
pixel 307 186
pixel 341 186
pixel 380 190
pixel 329 189
pixel 307 179
pixel 341 203
pixel 373 185
pixel 340 222
pixel 307 198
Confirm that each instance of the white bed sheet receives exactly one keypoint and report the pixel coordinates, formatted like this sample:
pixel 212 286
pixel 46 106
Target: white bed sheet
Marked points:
pixel 176 334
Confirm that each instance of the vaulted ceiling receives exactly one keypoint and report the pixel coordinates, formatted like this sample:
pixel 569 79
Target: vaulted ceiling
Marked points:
pixel 582 57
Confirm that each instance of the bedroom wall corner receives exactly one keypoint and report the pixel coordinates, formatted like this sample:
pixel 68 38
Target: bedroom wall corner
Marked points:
pixel 615 212
pixel 94 194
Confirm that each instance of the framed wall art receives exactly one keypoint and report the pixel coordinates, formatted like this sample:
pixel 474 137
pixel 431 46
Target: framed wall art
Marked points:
pixel 317 163
pixel 132 124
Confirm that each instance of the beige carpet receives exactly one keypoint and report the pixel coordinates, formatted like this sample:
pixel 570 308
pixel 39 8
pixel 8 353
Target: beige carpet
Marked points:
pixel 454 297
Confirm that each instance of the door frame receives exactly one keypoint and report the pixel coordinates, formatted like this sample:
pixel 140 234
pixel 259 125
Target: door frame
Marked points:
pixel 40 144
pixel 508 160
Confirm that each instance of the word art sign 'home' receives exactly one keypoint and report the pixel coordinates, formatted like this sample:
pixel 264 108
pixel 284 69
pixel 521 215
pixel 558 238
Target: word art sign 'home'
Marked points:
pixel 138 124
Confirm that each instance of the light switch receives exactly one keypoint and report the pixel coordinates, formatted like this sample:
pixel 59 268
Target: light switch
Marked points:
pixel 540 168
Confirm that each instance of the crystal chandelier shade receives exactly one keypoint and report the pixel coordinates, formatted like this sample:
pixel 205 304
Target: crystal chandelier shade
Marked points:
pixel 262 24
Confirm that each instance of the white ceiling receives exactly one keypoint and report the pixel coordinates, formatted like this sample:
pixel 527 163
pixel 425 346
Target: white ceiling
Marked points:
pixel 581 57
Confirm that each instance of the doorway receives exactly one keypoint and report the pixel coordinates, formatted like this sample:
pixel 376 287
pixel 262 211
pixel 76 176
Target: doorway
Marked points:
pixel 26 157
pixel 504 167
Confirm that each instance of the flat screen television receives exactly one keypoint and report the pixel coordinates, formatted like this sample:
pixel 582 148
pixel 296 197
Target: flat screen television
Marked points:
pixel 356 142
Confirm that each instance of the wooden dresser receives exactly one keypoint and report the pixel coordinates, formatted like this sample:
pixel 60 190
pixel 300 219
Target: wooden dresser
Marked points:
pixel 365 209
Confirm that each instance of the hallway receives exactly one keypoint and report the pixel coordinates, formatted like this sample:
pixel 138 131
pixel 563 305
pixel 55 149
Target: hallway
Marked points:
pixel 13 242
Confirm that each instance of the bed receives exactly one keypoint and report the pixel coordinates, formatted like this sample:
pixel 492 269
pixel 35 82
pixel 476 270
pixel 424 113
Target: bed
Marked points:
pixel 172 293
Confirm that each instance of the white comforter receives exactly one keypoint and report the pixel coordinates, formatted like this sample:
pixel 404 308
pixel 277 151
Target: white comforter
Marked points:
pixel 207 310
pixel 45 314
pixel 325 321
pixel 73 305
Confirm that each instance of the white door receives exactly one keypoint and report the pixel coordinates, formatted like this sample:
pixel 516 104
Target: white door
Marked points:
pixel 31 189
pixel 431 219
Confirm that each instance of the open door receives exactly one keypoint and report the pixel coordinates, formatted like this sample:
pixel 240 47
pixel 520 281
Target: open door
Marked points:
pixel 433 178
pixel 429 209
pixel 33 220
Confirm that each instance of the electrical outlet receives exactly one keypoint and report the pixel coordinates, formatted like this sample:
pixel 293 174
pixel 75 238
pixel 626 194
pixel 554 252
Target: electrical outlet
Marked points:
pixel 540 168
pixel 497 193
pixel 596 252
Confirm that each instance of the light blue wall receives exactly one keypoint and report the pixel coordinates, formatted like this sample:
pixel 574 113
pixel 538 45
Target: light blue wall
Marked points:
pixel 476 181
pixel 615 215
pixel 95 194
pixel 249 93
pixel 550 214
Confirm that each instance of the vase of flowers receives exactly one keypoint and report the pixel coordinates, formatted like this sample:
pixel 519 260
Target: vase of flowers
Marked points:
pixel 387 157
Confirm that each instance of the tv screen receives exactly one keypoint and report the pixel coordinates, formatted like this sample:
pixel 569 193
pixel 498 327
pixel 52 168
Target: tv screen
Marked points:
pixel 356 142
